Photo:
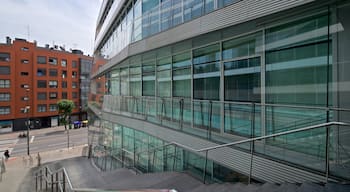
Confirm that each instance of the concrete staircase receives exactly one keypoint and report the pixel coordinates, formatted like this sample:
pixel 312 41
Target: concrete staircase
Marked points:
pixel 84 175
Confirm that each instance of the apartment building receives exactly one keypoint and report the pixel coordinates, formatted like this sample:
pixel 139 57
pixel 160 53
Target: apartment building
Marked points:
pixel 186 80
pixel 34 78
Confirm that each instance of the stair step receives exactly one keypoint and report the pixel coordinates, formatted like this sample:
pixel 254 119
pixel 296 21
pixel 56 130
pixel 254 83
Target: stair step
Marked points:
pixel 334 187
pixel 268 187
pixel 311 187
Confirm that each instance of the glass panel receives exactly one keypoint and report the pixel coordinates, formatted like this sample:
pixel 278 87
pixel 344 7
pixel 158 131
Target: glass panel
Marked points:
pixel 206 70
pixel 296 62
pixel 242 80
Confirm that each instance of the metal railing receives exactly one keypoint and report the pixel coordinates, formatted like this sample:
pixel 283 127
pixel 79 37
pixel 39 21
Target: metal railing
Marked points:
pixel 59 181
pixel 252 140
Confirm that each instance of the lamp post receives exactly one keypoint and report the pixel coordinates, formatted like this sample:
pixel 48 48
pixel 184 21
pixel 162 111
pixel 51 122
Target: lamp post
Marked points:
pixel 27 121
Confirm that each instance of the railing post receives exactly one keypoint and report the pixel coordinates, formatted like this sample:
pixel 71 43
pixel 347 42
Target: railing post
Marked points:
pixel 210 118
pixel 41 179
pixel 46 178
pixel 181 102
pixel 327 154
pixel 63 182
pixel 252 143
pixel 205 166
pixel 57 182
pixel 36 181
pixel 52 183
pixel 174 162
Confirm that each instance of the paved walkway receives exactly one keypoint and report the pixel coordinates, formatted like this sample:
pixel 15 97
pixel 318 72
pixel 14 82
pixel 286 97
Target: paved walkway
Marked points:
pixel 18 167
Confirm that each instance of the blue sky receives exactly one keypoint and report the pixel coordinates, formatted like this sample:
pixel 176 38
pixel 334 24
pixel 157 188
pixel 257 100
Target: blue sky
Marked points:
pixel 69 23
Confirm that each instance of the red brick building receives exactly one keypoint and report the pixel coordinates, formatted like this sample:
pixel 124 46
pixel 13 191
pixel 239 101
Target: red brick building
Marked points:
pixel 33 79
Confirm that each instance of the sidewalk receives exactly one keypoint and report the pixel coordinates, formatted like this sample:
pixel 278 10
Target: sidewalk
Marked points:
pixel 17 169
pixel 14 135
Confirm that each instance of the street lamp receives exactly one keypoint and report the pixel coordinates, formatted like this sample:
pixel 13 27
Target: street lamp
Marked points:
pixel 27 121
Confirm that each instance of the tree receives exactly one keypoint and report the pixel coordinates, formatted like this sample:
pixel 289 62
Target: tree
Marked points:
pixel 65 108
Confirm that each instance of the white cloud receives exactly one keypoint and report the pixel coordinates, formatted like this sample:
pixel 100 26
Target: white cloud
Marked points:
pixel 65 22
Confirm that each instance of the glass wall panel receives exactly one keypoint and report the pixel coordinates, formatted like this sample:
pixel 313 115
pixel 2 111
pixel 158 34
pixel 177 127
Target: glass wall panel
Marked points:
pixel 137 30
pixel 192 9
pixel 182 75
pixel 177 12
pixel 164 77
pixel 148 78
pixel 206 72
pixel 297 62
pixel 166 14
pixel 135 80
pixel 124 81
pixel 115 82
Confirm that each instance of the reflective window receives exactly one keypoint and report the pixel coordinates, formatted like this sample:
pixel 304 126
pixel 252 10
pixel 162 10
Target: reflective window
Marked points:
pixel 148 78
pixel 206 72
pixel 296 62
pixel 182 75
pixel 164 77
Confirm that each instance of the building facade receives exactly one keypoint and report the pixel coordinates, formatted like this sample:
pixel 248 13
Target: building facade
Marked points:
pixel 200 73
pixel 34 78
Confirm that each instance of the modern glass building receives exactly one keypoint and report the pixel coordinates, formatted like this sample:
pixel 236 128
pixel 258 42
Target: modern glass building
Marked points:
pixel 184 78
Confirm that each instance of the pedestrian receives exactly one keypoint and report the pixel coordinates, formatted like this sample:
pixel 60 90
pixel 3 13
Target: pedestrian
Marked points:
pixel 39 160
pixel 7 154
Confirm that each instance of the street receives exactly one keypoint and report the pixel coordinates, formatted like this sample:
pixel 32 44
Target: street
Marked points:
pixel 44 140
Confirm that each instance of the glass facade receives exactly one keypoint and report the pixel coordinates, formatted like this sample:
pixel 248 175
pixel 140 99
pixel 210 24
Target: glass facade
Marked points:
pixel 263 80
pixel 144 18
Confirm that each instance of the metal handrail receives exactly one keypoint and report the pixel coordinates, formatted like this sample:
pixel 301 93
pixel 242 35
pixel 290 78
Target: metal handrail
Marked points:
pixel 246 140
pixel 207 149
pixel 242 103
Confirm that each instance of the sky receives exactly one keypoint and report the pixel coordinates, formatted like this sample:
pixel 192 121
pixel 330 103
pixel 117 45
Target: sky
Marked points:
pixel 68 23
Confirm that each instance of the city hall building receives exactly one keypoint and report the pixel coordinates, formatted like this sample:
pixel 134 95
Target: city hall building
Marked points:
pixel 184 81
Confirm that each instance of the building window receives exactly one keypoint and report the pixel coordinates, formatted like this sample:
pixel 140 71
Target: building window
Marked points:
pixel 242 68
pixel 53 107
pixel 74 74
pixel 74 85
pixel 5 57
pixel 41 59
pixel 64 95
pixel 64 63
pixel 4 110
pixel 24 73
pixel 24 61
pixel 64 84
pixel 297 63
pixel 74 64
pixel 64 74
pixel 53 95
pixel 41 95
pixel 5 96
pixel 52 61
pixel 26 86
pixel 53 84
pixel 74 95
pixel 42 108
pixel 4 70
pixel 206 72
pixel 5 83
pixel 40 72
pixel 25 98
pixel 148 78
pixel 41 84
pixel 25 49
pixel 182 75
pixel 53 72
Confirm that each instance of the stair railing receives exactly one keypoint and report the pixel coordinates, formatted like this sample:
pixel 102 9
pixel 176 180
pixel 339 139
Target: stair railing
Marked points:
pixel 252 140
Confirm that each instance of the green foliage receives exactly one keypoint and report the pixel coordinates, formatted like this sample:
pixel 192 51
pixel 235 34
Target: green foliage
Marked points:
pixel 65 108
